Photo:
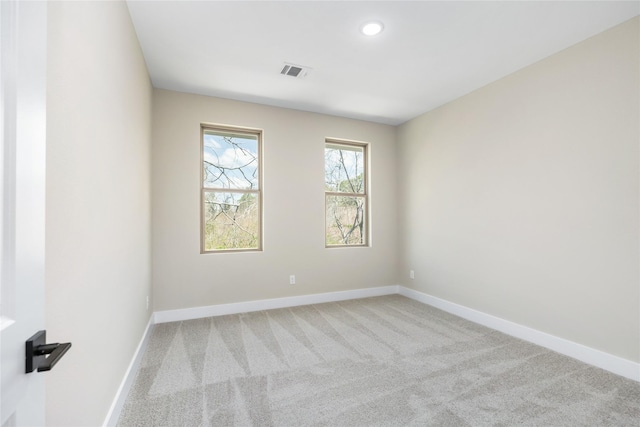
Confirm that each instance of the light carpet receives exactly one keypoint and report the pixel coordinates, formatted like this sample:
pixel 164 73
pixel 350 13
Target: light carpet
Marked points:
pixel 383 361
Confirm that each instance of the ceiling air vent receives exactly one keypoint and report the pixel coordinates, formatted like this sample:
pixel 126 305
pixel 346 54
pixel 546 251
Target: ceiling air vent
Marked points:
pixel 295 70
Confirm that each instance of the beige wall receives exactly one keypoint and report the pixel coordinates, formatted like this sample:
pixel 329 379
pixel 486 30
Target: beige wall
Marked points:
pixel 293 207
pixel 97 207
pixel 521 199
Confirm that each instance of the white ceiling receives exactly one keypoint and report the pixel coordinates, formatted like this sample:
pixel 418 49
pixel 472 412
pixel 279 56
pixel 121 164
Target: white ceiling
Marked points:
pixel 428 54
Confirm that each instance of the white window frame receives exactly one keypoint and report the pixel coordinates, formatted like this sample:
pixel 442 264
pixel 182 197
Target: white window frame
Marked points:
pixel 258 133
pixel 365 195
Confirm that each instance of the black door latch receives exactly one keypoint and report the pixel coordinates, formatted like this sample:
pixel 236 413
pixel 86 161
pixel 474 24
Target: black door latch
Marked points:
pixel 42 356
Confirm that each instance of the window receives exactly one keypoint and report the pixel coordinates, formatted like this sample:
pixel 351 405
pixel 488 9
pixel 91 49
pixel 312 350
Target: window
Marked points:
pixel 231 198
pixel 346 200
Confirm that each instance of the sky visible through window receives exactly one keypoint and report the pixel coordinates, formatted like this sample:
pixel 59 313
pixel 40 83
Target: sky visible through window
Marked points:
pixel 344 168
pixel 230 161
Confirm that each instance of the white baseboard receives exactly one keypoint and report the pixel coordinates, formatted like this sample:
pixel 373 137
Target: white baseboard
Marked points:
pixel 609 362
pixel 268 304
pixel 121 395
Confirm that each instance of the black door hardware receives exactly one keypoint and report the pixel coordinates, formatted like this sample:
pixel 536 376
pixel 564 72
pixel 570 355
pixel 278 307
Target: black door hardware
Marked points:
pixel 42 356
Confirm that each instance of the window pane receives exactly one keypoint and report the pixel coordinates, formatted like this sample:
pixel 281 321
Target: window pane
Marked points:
pixel 345 218
pixel 231 221
pixel 344 168
pixel 230 160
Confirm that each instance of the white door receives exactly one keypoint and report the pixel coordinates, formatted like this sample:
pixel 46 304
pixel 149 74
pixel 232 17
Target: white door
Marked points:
pixel 23 26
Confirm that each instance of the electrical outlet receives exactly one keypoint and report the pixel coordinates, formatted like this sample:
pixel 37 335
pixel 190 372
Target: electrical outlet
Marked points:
pixel 292 279
pixel 411 274
pixel 147 302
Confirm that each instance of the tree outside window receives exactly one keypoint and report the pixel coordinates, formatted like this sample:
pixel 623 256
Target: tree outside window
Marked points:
pixel 231 189
pixel 346 200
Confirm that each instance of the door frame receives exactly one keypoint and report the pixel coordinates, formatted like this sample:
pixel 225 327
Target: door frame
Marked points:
pixel 23 58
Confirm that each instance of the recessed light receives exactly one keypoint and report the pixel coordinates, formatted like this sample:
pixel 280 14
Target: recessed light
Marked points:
pixel 372 28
